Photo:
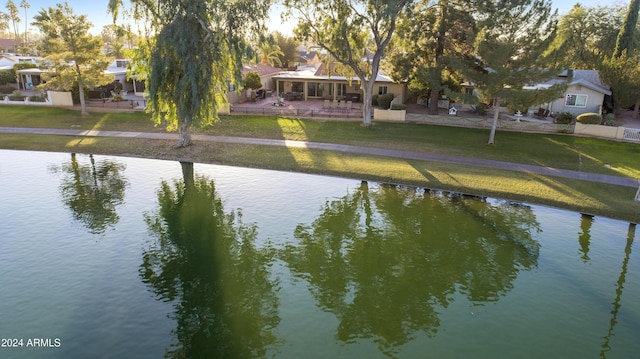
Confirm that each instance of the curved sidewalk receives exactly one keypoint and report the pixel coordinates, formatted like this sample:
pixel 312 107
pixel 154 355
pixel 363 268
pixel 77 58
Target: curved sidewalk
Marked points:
pixel 410 155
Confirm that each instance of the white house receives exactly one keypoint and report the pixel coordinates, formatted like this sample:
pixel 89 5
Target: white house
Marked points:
pixel 585 92
pixel 7 61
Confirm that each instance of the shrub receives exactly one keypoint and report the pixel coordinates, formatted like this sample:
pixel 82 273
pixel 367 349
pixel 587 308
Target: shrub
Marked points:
pixel 37 98
pixel 16 96
pixel 610 117
pixel 6 78
pixel 384 101
pixel 374 100
pixel 252 80
pixel 398 106
pixel 480 109
pixel 590 118
pixel 94 94
pixel 7 89
pixel 564 118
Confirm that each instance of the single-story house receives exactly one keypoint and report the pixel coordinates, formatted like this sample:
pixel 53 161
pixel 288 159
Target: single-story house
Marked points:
pixel 8 45
pixel 29 78
pixel 585 92
pixel 118 68
pixel 317 83
pixel 266 73
pixel 7 61
pixel 309 58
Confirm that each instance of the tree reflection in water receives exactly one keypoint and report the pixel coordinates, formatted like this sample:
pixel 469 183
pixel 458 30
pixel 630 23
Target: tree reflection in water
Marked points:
pixel 384 261
pixel 205 261
pixel 93 191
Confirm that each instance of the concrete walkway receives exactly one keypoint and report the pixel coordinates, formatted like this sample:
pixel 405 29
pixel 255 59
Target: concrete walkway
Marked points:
pixel 409 155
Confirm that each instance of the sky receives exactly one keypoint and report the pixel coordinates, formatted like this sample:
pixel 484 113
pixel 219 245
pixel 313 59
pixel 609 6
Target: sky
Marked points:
pixel 96 11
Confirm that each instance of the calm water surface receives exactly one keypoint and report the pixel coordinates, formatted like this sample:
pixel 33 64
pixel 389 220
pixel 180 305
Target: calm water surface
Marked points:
pixel 108 257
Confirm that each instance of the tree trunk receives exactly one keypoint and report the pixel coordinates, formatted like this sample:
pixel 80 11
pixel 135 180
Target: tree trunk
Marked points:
pixel 367 110
pixel 636 107
pixel 496 114
pixel 436 76
pixel 83 104
pixel 433 101
pixel 184 133
pixel 187 174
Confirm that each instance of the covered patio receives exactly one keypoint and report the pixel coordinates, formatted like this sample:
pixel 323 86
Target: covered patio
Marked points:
pixel 275 105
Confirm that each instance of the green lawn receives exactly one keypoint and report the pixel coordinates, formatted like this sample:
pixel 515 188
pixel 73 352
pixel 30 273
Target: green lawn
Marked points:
pixel 560 151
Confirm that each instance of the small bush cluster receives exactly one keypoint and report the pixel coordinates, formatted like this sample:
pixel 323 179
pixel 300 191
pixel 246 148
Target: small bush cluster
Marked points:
pixel 610 120
pixel 398 106
pixel 16 96
pixel 480 109
pixel 384 101
pixel 37 98
pixel 7 89
pixel 564 118
pixel 6 77
pixel 590 118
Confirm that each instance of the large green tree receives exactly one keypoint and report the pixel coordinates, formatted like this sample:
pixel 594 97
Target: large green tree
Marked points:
pixel 354 33
pixel 194 49
pixel 432 38
pixel 622 70
pixel 511 49
pixel 587 35
pixel 626 36
pixel 74 55
pixel 623 73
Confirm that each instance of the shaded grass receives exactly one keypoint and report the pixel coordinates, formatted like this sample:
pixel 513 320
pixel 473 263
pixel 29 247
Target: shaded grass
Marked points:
pixel 551 150
pixel 582 196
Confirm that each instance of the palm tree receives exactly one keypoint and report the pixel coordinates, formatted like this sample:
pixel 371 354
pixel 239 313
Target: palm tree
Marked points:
pixel 270 54
pixel 25 5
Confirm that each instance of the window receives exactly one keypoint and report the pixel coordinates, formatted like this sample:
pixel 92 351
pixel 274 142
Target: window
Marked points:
pixel 297 87
pixel 382 90
pixel 315 89
pixel 576 100
pixel 468 91
pixel 341 89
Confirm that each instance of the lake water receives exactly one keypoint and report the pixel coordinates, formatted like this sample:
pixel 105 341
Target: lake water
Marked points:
pixel 111 257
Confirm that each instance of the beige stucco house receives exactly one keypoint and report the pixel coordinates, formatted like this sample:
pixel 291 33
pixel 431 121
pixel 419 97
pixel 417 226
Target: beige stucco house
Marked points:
pixel 266 72
pixel 315 83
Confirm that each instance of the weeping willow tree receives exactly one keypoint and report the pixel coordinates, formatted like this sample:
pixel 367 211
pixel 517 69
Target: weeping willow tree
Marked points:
pixel 194 49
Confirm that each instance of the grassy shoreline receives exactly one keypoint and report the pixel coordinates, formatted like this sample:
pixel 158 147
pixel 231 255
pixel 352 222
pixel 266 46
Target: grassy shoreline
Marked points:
pixel 559 151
